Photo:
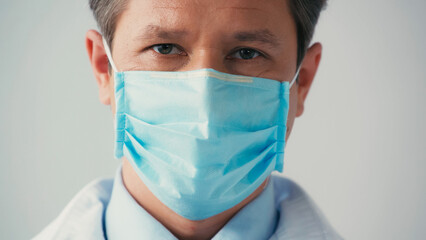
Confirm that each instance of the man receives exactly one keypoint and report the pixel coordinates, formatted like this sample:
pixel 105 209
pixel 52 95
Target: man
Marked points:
pixel 204 95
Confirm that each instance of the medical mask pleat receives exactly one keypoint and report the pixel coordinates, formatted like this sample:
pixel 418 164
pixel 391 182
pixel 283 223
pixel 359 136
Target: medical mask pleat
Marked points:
pixel 202 141
pixel 120 117
pixel 281 123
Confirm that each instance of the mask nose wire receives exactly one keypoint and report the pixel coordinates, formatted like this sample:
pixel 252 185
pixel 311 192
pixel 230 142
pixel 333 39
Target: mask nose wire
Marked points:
pixel 109 55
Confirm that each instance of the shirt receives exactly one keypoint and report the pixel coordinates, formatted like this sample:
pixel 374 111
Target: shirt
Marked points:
pixel 104 209
pixel 124 218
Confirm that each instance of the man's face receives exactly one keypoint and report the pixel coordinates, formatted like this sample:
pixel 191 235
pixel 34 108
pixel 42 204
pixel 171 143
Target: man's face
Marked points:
pixel 244 37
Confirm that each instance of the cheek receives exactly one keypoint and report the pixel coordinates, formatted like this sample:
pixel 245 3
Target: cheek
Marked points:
pixel 292 111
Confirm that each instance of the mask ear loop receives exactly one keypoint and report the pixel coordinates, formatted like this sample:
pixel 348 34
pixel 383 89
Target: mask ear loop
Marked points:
pixel 109 55
pixel 295 77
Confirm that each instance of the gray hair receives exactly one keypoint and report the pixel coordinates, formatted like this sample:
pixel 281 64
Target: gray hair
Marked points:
pixel 106 13
pixel 304 12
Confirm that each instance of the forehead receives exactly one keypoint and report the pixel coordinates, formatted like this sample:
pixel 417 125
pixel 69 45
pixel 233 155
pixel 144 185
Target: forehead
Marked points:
pixel 206 16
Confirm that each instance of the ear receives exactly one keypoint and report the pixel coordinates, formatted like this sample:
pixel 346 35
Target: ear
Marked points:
pixel 99 61
pixel 307 73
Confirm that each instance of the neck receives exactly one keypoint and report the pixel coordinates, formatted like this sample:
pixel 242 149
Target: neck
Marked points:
pixel 181 227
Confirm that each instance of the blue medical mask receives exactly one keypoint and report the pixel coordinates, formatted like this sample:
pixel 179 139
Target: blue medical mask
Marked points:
pixel 202 141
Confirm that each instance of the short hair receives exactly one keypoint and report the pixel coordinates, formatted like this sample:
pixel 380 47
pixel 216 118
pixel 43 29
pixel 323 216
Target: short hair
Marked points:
pixel 305 14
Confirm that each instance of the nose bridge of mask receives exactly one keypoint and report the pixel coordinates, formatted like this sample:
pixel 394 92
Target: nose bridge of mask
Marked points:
pixel 114 67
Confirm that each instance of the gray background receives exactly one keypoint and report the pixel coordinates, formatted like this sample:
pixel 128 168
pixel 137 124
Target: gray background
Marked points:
pixel 359 150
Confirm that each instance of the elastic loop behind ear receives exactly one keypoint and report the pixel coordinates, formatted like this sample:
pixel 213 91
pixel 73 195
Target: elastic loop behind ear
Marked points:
pixel 109 55
pixel 295 77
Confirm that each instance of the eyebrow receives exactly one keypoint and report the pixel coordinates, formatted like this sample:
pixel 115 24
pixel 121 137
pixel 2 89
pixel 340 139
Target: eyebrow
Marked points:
pixel 262 36
pixel 154 31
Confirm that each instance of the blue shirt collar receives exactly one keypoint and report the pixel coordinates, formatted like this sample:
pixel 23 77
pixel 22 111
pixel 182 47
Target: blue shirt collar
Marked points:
pixel 126 219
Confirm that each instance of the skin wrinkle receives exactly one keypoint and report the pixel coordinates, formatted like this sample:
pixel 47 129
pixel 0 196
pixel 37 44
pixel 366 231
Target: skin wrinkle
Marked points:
pixel 262 73
pixel 170 8
pixel 240 8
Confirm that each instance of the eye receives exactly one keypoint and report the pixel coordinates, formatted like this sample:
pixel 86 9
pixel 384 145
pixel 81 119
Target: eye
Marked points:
pixel 166 49
pixel 246 53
